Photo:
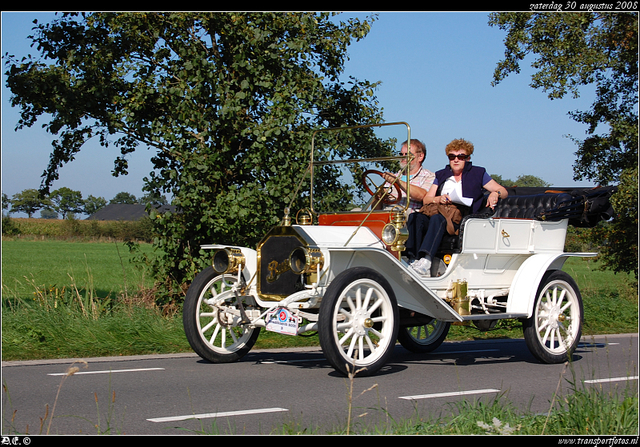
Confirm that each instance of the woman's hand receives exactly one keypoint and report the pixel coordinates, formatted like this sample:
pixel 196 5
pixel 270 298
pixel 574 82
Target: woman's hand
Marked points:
pixel 444 199
pixel 492 200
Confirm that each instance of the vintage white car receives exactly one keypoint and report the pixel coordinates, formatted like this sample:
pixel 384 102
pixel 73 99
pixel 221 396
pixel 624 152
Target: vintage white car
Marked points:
pixel 342 274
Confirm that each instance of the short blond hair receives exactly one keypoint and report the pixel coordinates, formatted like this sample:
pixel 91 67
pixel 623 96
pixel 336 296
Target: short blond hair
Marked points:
pixel 459 144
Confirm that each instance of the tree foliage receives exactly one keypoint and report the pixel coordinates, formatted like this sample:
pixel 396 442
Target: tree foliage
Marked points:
pixel 599 50
pixel 619 237
pixel 525 180
pixel 124 197
pixel 28 201
pixel 227 102
pixel 93 204
pixel 6 202
pixel 576 50
pixel 67 201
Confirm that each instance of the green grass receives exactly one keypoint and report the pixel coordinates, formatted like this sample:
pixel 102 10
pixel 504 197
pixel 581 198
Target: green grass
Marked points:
pixel 610 300
pixel 580 410
pixel 105 267
pixel 82 299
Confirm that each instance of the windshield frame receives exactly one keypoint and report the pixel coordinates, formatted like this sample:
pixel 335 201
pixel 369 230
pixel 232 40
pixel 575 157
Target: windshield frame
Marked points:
pixel 313 163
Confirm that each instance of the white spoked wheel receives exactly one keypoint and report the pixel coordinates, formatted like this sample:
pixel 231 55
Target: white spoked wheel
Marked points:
pixel 214 328
pixel 358 322
pixel 425 338
pixel 553 331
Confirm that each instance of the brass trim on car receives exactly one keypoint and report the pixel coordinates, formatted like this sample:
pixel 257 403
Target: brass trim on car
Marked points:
pixel 227 260
pixel 276 279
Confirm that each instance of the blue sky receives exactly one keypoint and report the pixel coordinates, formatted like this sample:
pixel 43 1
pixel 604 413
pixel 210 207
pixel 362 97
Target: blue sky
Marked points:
pixel 436 70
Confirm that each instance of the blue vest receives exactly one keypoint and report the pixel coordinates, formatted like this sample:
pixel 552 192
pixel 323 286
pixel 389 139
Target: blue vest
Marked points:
pixel 472 183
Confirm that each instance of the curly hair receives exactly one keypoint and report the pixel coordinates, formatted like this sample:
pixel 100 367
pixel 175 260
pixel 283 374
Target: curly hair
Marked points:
pixel 459 144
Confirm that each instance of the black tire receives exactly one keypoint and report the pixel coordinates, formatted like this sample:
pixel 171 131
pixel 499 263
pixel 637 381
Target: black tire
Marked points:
pixel 358 322
pixel 213 334
pixel 555 327
pixel 425 338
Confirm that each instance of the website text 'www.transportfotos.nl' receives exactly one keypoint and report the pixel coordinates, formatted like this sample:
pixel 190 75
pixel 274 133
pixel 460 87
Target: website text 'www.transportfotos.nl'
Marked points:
pixel 604 441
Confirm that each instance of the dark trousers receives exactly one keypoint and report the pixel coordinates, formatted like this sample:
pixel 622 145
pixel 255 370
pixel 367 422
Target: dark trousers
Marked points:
pixel 425 234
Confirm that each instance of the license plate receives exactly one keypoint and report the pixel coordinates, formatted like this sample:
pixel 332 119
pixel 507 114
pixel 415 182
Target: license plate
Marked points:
pixel 282 321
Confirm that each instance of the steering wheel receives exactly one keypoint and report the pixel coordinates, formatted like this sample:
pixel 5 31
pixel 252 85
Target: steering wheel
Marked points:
pixel 388 199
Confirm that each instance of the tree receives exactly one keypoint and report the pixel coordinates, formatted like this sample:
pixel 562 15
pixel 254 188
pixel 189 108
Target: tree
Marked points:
pixel 583 49
pixel 124 197
pixel 48 213
pixel 6 202
pixel 28 201
pixel 525 180
pixel 93 204
pixel 587 49
pixel 619 237
pixel 153 199
pixel 530 181
pixel 228 102
pixel 66 201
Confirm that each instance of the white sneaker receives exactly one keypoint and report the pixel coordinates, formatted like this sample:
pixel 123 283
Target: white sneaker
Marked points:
pixel 422 266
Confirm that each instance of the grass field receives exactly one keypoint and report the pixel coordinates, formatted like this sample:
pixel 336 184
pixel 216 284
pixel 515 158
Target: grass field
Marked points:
pixel 105 267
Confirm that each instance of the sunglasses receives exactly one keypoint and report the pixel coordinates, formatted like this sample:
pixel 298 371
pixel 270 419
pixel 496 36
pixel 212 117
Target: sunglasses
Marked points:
pixel 458 156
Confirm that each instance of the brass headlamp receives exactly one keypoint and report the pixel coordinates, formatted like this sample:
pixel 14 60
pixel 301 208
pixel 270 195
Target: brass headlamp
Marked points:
pixel 395 233
pixel 306 260
pixel 228 260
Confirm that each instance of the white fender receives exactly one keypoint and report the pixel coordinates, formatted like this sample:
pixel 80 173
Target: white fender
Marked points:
pixel 411 291
pixel 525 284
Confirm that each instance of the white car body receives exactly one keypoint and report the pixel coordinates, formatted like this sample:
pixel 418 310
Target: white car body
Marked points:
pixel 333 273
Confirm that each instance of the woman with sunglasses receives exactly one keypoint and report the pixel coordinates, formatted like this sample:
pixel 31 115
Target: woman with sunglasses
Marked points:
pixel 460 183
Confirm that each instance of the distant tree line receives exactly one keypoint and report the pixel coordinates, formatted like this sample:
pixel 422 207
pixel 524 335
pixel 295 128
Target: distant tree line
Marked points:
pixel 65 202
pixel 529 181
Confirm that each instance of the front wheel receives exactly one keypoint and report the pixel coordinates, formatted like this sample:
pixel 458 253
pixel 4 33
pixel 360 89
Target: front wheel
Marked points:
pixel 214 328
pixel 553 331
pixel 358 322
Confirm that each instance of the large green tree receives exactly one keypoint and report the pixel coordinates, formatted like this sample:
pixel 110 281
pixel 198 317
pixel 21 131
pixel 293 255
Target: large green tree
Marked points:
pixel 28 201
pixel 93 204
pixel 572 51
pixel 227 102
pixel 67 201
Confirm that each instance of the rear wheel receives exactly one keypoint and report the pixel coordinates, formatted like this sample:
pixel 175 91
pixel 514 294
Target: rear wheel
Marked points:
pixel 425 338
pixel 358 322
pixel 553 331
pixel 214 328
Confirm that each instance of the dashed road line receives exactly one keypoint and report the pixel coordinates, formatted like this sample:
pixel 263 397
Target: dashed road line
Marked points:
pixel 217 415
pixel 612 379
pixel 449 394
pixel 110 371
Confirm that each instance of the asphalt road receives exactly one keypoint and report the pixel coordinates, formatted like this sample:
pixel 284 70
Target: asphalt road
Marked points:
pixel 269 390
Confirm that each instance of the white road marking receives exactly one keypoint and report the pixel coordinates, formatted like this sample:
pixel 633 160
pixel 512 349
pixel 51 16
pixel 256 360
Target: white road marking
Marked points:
pixel 612 379
pixel 271 362
pixel 216 415
pixel 449 394
pixel 109 371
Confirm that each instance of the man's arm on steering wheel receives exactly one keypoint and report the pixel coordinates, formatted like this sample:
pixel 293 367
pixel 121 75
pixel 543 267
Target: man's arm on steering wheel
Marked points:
pixel 417 193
